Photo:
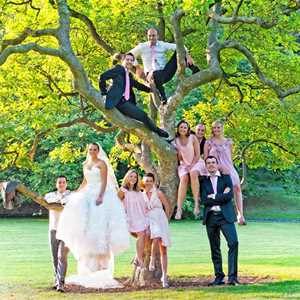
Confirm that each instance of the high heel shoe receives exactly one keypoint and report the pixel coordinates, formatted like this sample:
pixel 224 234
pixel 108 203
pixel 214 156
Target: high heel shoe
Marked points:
pixel 165 282
pixel 178 215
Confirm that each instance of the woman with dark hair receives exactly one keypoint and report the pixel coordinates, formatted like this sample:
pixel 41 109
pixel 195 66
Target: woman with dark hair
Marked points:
pixel 190 166
pixel 200 134
pixel 93 223
pixel 120 94
pixel 156 202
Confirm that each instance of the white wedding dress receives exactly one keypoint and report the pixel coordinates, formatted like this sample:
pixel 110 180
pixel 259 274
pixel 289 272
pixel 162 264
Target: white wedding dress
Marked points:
pixel 94 234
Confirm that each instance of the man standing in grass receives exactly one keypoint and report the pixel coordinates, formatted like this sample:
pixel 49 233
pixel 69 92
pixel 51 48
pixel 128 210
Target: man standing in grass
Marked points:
pixel 58 249
pixel 219 215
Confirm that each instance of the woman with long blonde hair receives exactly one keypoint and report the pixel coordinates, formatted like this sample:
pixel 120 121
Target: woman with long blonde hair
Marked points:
pixel 135 208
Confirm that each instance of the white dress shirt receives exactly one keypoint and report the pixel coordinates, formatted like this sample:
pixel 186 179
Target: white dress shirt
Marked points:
pixel 55 197
pixel 214 182
pixel 145 51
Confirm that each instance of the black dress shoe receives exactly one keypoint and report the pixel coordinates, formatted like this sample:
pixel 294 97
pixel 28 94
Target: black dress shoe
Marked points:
pixel 60 288
pixel 162 133
pixel 194 68
pixel 233 281
pixel 164 101
pixel 217 281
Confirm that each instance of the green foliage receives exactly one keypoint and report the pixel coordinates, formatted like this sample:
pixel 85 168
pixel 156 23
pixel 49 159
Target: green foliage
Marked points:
pixel 31 100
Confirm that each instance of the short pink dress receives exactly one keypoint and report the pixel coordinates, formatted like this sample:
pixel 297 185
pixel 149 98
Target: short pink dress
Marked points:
pixel 187 153
pixel 136 210
pixel 223 153
pixel 158 221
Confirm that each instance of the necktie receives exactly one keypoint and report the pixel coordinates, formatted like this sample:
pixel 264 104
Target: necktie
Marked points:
pixel 214 182
pixel 127 86
pixel 153 57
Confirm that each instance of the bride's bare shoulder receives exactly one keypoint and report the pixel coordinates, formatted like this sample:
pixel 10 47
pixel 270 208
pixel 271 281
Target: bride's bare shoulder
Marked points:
pixel 101 164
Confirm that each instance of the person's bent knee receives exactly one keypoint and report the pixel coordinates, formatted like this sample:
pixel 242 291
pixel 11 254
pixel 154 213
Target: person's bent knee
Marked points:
pixel 141 234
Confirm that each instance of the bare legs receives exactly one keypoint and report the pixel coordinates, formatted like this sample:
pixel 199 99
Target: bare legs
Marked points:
pixel 140 242
pixel 182 189
pixel 163 260
pixel 195 191
pixel 239 204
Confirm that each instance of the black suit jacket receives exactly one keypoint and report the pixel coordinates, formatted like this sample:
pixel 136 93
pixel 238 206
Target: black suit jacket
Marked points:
pixel 221 199
pixel 116 90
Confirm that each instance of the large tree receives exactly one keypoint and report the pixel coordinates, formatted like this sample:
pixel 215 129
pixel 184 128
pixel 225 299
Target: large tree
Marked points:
pixel 53 51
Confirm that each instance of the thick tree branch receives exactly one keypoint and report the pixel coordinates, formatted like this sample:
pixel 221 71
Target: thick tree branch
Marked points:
pixel 26 33
pixel 26 48
pixel 211 74
pixel 181 53
pixel 92 28
pixel 84 86
pixel 235 19
pixel 242 19
pixel 162 22
pixel 281 93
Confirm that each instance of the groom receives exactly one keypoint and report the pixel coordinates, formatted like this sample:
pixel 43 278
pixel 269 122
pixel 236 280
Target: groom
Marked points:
pixel 58 249
pixel 219 215
pixel 121 95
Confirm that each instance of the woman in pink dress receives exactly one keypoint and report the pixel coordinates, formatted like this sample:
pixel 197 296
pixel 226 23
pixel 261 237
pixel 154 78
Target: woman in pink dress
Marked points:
pixel 221 147
pixel 135 208
pixel 190 166
pixel 159 225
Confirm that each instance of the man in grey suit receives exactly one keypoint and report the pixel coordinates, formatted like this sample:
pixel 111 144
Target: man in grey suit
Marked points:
pixel 58 249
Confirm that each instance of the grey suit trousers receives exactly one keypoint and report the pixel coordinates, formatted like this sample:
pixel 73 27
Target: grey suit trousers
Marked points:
pixel 59 257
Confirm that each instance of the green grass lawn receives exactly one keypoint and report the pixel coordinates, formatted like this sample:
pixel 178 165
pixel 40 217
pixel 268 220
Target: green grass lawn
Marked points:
pixel 266 249
pixel 273 203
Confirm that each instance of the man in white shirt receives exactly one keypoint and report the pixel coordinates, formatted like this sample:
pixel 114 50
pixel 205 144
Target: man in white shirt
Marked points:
pixel 58 250
pixel 156 66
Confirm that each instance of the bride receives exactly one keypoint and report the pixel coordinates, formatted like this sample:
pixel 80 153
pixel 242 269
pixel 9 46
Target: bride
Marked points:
pixel 93 223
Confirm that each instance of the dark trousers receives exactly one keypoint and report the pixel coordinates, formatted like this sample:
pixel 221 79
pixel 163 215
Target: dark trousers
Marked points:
pixel 131 110
pixel 214 224
pixel 59 257
pixel 165 75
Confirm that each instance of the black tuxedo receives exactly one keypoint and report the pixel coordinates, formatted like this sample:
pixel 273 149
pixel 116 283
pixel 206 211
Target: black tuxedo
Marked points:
pixel 220 221
pixel 115 92
pixel 167 73
pixel 224 200
pixel 115 98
